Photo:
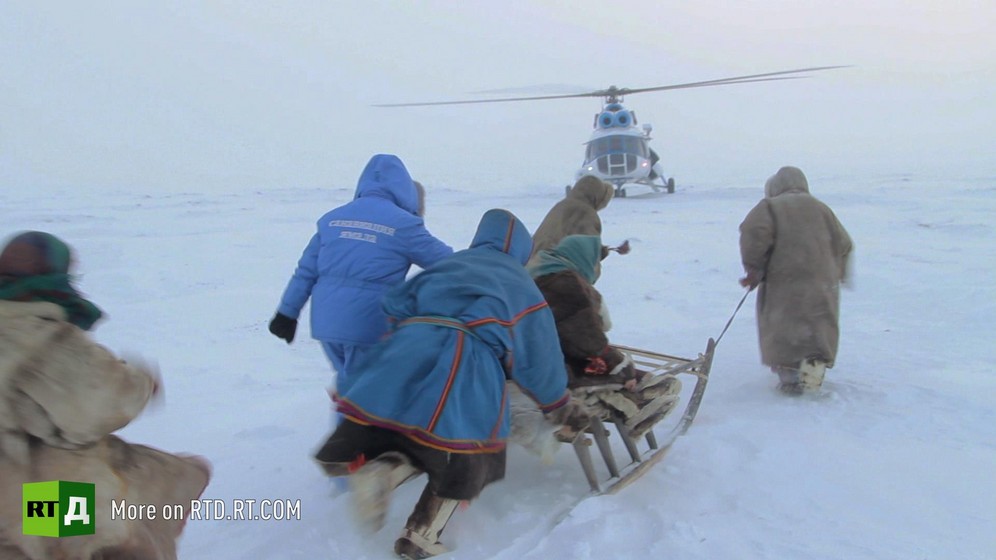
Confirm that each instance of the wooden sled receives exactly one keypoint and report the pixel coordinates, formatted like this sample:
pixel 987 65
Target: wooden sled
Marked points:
pixel 641 461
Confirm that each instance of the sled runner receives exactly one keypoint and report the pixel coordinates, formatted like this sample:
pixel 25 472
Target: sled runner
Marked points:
pixel 663 381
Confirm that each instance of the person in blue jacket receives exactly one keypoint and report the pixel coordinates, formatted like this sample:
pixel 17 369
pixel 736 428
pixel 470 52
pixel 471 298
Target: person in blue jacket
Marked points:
pixel 360 251
pixel 431 397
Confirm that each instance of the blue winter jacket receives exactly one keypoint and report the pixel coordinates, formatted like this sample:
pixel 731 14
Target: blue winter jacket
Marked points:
pixel 361 250
pixel 459 330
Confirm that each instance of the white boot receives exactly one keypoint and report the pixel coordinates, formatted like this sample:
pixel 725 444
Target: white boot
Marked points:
pixel 420 538
pixel 811 373
pixel 371 486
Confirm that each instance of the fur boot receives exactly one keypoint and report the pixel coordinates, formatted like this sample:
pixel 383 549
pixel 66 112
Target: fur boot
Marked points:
pixel 639 409
pixel 371 486
pixel 530 428
pixel 420 538
pixel 806 378
pixel 811 373
pixel 789 381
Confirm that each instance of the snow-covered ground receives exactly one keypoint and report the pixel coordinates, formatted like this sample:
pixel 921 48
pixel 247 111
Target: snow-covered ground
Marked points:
pixel 894 460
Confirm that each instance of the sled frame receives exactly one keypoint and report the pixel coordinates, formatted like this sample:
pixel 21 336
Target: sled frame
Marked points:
pixel 640 461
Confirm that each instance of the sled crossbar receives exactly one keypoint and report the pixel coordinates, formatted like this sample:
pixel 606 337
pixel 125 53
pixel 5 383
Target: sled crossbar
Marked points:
pixel 654 364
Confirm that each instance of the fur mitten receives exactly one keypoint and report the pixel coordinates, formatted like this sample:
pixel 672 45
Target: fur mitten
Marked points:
pixel 573 418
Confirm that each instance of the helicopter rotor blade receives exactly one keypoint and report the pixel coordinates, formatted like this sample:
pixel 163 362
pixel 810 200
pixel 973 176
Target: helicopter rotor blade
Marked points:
pixel 618 92
pixel 718 83
pixel 768 76
pixel 507 99
pixel 539 89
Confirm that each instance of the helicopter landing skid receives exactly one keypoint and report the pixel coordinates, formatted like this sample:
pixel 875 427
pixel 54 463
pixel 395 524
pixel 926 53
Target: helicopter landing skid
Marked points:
pixel 668 186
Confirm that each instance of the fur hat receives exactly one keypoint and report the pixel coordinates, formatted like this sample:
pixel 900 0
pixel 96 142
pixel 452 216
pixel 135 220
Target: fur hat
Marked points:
pixel 34 253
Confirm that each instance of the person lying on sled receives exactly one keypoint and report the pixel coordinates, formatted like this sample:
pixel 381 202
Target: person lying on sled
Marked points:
pixel 431 397
pixel 600 373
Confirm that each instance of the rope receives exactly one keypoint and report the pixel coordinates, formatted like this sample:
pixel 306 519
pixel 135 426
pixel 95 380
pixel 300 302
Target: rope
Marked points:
pixel 739 305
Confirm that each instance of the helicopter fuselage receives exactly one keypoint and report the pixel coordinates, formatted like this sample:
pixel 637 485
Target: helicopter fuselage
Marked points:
pixel 618 150
pixel 618 156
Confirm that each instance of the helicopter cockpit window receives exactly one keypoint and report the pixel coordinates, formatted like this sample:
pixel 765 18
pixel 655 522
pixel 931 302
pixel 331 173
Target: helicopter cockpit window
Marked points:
pixel 620 144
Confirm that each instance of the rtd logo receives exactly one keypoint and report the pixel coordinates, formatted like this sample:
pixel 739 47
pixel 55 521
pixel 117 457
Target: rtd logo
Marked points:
pixel 58 508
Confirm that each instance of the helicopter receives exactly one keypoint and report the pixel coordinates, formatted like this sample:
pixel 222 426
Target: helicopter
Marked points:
pixel 618 150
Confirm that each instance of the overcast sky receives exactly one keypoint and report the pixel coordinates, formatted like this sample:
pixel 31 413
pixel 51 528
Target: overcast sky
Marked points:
pixel 222 96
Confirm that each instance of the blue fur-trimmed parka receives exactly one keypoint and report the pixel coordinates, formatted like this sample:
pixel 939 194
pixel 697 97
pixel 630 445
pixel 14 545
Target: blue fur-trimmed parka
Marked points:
pixel 459 330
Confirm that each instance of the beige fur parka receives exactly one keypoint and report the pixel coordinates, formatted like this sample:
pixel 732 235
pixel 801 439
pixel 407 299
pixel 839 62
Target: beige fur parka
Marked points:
pixel 576 214
pixel 798 250
pixel 61 396
pixel 57 384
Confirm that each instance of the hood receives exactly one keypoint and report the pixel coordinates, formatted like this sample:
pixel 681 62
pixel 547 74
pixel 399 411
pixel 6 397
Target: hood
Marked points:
pixel 34 266
pixel 580 253
pixel 501 230
pixel 593 191
pixel 386 177
pixel 34 253
pixel 788 179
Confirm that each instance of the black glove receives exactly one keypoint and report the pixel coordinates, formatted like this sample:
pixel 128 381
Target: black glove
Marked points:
pixel 283 327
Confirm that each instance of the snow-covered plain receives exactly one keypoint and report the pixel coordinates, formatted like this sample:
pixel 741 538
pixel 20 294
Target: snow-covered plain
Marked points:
pixel 896 459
